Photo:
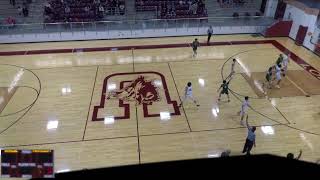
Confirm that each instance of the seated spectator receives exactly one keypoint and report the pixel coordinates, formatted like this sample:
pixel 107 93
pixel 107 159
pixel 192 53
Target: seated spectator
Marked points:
pixel 25 11
pixel 235 14
pixel 87 9
pixel 189 3
pixel 172 13
pixel 167 14
pixel 67 10
pixel 113 6
pixel 10 21
pixel 19 10
pixel 95 9
pixel 122 9
pixel 47 10
pixel 67 22
pixel 194 8
pixel 69 2
pixel 47 4
pixel 47 18
pixel 96 1
pixel 101 9
pixel 117 8
pixel 247 15
pixel 141 3
pixel 201 4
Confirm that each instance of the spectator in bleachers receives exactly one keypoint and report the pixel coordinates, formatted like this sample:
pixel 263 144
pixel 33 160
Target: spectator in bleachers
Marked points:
pixel 25 11
pixel 13 2
pixel 190 4
pixel 101 11
pixel 10 21
pixel 87 9
pixel 95 10
pixel 141 3
pixel 47 9
pixel 235 14
pixel 194 8
pixel 122 9
pixel 83 10
pixel 113 7
pixel 117 9
pixel 68 2
pixel 47 4
pixel 172 13
pixel 19 10
pixel 67 10
pixel 67 22
pixel 201 5
pixel 47 18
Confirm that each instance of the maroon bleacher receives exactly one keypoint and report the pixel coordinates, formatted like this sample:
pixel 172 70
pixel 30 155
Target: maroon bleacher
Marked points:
pixel 165 11
pixel 77 12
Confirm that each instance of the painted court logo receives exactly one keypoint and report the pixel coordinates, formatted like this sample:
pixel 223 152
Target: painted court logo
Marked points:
pixel 148 91
pixel 140 90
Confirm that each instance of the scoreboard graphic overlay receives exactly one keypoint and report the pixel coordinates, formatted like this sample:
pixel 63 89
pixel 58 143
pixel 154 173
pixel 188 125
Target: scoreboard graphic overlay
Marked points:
pixel 27 163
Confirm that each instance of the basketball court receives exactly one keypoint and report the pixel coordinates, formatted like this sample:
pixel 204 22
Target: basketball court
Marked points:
pixel 115 102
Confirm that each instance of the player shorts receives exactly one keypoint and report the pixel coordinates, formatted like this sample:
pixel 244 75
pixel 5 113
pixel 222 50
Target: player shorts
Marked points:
pixel 190 97
pixel 268 78
pixel 278 76
pixel 225 92
pixel 242 113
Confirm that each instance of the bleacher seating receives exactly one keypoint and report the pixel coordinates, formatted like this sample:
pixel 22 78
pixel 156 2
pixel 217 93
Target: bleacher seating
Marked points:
pixel 231 3
pixel 173 9
pixel 56 12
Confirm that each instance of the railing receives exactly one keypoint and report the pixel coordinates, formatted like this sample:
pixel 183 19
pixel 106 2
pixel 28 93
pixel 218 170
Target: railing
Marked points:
pixel 134 25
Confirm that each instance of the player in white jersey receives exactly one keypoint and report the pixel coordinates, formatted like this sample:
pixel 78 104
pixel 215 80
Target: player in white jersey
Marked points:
pixel 232 69
pixel 188 95
pixel 278 75
pixel 244 108
pixel 285 62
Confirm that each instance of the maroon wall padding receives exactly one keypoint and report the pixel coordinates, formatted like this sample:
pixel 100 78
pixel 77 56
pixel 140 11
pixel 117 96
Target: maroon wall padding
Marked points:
pixel 281 9
pixel 279 29
pixel 302 32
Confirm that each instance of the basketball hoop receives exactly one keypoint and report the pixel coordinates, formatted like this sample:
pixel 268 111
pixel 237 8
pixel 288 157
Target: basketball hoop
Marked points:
pixel 309 33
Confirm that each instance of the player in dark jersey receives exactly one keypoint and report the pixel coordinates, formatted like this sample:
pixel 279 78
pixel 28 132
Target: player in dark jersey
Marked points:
pixel 279 60
pixel 225 89
pixel 195 44
pixel 268 82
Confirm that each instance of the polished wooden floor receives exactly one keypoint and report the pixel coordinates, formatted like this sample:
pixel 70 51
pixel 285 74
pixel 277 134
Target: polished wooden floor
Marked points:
pixel 53 96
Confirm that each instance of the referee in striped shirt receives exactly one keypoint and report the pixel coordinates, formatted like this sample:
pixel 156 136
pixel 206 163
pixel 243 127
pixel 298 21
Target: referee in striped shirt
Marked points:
pixel 251 139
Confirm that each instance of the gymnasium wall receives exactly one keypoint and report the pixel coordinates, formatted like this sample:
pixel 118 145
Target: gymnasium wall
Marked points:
pixel 271 8
pixel 302 15
pixel 91 35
